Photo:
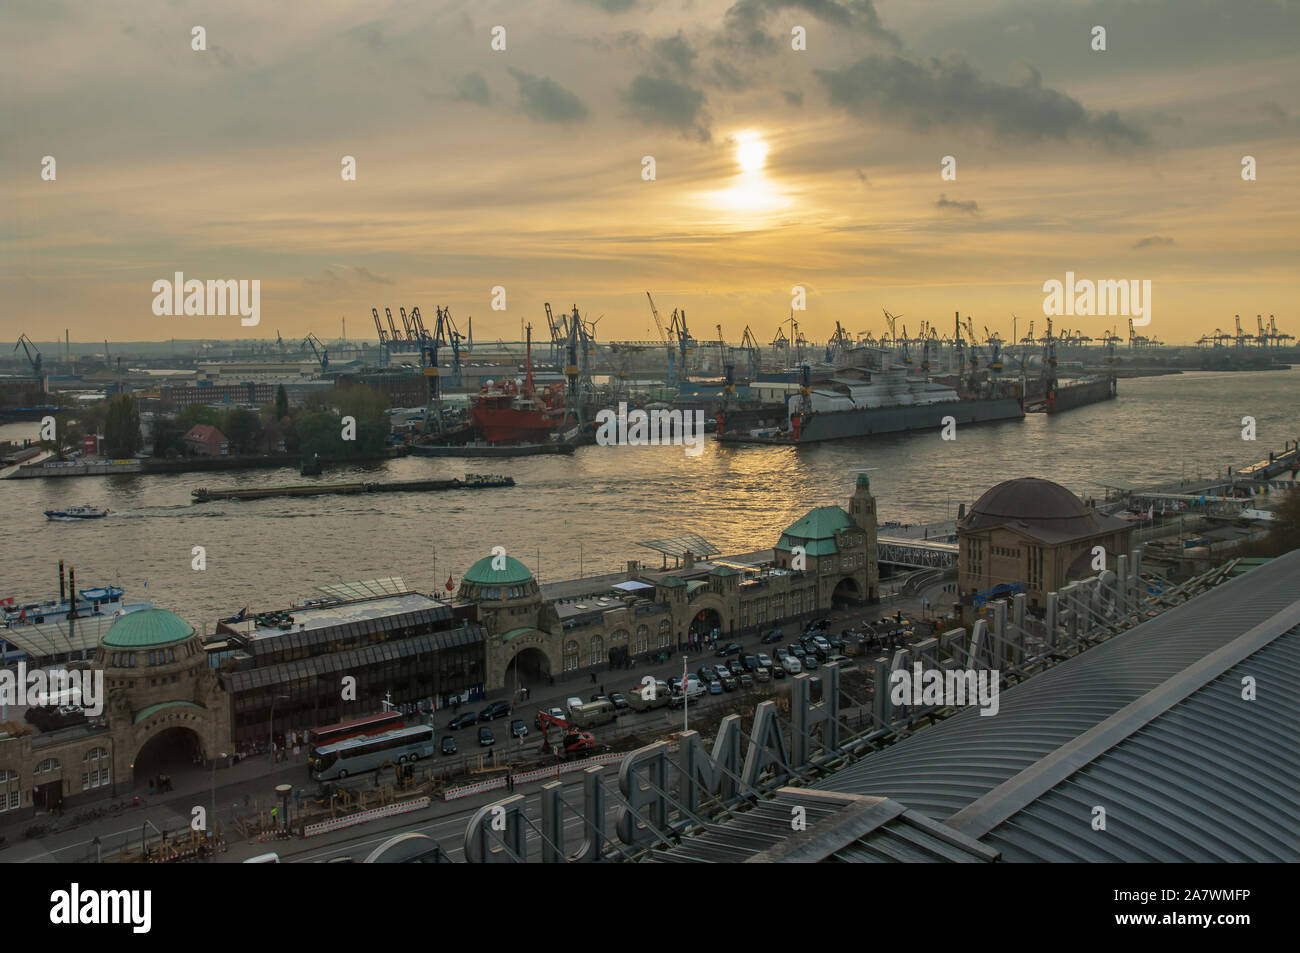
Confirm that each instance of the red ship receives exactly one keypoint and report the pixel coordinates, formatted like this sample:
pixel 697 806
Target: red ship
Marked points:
pixel 505 413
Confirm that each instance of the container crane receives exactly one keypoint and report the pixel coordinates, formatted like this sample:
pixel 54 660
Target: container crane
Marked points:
pixel 384 343
pixel 392 328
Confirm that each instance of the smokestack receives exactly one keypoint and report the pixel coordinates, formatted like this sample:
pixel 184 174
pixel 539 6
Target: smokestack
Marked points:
pixel 62 592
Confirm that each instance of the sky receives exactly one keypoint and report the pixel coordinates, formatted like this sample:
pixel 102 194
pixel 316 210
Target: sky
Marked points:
pixel 525 169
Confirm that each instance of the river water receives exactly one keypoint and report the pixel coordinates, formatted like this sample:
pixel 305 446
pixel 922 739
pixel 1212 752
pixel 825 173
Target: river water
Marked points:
pixel 588 512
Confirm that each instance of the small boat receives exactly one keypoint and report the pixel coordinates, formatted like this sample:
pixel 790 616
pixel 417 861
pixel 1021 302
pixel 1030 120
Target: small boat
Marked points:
pixel 76 513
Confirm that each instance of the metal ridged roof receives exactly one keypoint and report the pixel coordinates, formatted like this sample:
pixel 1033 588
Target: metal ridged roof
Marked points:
pixel 1212 779
pixel 836 827
pixel 1150 722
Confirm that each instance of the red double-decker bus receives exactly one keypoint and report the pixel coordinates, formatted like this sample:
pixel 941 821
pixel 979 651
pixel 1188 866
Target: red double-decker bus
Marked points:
pixel 369 725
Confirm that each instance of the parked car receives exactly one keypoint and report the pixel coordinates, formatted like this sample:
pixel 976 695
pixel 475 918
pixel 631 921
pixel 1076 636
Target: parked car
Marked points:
pixel 776 635
pixel 749 662
pixel 798 651
pixel 764 661
pixel 573 702
pixel 498 709
pixel 746 680
pixel 810 662
pixel 518 729
pixel 823 646
pixel 620 700
pixel 762 674
pixel 793 666
pixel 463 720
pixel 730 683
pixel 737 669
pixel 485 737
pixel 715 687
pixel 731 648
pixel 843 661
pixel 448 744
pixel 722 671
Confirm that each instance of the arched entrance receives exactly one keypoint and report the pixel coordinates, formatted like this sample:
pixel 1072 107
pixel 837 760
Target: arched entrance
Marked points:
pixel 846 593
pixel 170 752
pixel 529 667
pixel 705 624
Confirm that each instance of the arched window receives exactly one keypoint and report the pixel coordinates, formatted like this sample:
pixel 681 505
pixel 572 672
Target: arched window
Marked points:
pixel 94 769
pixel 11 797
pixel 642 642
pixel 597 650
pixel 48 765
pixel 570 656
pixel 665 633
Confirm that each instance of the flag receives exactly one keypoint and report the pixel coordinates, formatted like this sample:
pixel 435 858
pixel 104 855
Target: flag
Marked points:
pixel 450 584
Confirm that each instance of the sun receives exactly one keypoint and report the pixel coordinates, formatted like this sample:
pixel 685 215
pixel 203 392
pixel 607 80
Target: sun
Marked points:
pixel 751 153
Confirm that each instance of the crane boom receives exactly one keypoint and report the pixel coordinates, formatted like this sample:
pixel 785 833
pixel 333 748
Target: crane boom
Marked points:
pixel 663 335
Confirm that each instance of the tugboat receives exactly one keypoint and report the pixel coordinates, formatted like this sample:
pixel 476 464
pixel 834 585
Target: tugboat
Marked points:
pixel 76 513
pixel 311 467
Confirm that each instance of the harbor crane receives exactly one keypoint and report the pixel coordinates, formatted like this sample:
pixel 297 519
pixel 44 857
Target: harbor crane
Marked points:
pixel 728 367
pixel 28 346
pixel 749 344
pixel 317 347
pixel 392 328
pixel 385 345
pixel 839 344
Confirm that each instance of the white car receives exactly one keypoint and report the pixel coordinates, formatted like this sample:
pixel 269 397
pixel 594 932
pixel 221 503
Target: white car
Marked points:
pixel 792 665
pixel 822 645
pixel 573 703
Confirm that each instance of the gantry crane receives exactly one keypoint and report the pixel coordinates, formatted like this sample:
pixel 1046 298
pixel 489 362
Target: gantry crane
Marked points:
pixel 317 347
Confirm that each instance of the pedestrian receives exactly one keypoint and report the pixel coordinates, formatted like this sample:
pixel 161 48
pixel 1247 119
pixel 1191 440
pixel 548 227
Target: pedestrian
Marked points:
pixel 593 678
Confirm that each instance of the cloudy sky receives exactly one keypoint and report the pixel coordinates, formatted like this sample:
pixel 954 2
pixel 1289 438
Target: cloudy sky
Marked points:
pixel 523 167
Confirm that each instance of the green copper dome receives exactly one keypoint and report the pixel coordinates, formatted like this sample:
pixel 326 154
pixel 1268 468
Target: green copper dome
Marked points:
pixel 482 573
pixel 146 629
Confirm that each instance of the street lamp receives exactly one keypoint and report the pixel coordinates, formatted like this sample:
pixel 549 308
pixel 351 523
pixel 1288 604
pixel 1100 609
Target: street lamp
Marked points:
pixel 270 729
pixel 686 697
pixel 212 820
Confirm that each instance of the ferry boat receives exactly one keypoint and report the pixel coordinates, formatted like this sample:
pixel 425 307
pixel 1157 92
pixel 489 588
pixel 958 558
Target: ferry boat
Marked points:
pixel 76 513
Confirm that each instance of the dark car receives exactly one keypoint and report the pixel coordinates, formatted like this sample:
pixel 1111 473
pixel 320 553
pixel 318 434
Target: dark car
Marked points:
pixel 620 701
pixel 810 661
pixel 730 683
pixel 518 729
pixel 731 648
pixel 749 662
pixel 448 744
pixel 485 737
pixel 836 641
pixel 775 635
pixel 495 710
pixel 798 651
pixel 778 671
pixel 736 668
pixel 746 680
pixel 706 672
pixel 463 721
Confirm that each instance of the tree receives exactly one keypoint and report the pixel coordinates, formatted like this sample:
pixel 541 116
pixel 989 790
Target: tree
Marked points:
pixel 243 430
pixel 1285 532
pixel 198 414
pixel 122 428
pixel 370 408
pixel 281 402
pixel 168 437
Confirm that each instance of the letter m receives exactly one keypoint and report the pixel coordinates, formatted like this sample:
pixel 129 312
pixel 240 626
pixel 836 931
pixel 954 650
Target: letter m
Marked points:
pixel 116 906
pixel 1116 297
pixel 217 292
